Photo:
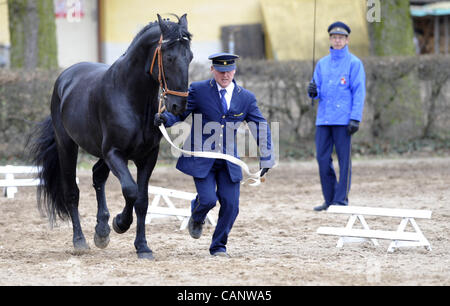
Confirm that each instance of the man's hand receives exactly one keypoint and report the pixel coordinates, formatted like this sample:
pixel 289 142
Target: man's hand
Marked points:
pixel 312 89
pixel 159 119
pixel 264 171
pixel 353 127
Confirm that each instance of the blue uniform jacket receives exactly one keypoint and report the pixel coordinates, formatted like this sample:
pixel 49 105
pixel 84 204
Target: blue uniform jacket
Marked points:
pixel 214 130
pixel 341 87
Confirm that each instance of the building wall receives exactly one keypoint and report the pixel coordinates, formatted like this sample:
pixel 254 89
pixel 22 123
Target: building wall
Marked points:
pixel 4 30
pixel 289 26
pixel 78 39
pixel 4 36
pixel 121 20
pixel 108 26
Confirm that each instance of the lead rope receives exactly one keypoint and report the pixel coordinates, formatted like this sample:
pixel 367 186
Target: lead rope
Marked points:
pixel 255 177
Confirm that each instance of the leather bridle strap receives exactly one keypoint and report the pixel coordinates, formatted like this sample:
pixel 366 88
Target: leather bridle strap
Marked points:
pixel 162 78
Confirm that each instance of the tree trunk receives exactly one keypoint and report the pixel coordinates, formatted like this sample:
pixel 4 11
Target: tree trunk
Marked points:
pixel 394 34
pixel 398 90
pixel 33 34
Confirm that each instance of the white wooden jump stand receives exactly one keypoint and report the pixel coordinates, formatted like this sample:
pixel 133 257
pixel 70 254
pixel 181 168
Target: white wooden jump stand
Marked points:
pixel 182 214
pixel 399 238
pixel 10 183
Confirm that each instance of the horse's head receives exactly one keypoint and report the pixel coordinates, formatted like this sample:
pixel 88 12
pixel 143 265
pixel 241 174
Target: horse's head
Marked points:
pixel 170 63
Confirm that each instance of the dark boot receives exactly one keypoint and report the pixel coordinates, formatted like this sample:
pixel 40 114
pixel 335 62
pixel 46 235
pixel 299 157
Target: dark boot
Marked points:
pixel 195 228
pixel 324 206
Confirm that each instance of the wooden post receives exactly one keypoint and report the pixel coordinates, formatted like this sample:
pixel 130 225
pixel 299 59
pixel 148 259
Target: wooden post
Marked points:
pixel 436 34
pixel 446 34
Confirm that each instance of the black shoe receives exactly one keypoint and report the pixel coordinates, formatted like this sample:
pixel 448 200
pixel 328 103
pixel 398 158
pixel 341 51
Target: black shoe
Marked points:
pixel 195 228
pixel 324 206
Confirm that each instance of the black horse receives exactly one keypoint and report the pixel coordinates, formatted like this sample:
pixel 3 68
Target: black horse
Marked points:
pixel 108 111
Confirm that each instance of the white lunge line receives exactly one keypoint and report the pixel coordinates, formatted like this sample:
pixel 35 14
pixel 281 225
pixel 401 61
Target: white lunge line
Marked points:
pixel 252 176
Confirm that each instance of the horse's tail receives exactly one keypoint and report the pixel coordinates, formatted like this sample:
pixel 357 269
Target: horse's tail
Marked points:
pixel 44 154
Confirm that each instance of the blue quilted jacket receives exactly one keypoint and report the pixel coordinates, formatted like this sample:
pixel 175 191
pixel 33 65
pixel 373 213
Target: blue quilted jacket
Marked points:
pixel 340 80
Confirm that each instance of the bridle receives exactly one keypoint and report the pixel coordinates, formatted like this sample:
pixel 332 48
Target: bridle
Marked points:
pixel 162 78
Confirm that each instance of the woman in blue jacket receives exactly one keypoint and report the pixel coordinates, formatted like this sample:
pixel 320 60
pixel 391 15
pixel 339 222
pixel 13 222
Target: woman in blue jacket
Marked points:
pixel 339 85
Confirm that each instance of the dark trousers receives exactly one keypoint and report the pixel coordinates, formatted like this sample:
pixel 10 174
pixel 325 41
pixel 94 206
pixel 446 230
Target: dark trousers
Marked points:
pixel 327 137
pixel 217 185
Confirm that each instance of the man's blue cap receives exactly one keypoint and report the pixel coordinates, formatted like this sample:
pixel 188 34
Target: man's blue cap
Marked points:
pixel 339 27
pixel 223 61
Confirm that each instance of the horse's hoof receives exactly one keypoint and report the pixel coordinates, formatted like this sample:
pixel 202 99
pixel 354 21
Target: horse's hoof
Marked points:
pixel 101 242
pixel 146 255
pixel 117 228
pixel 80 247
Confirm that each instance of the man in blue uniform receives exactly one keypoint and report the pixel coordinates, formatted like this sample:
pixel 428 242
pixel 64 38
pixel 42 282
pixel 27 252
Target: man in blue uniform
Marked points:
pixel 218 106
pixel 339 85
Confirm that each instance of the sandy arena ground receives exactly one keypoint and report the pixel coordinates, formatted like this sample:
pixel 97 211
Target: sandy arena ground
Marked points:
pixel 273 241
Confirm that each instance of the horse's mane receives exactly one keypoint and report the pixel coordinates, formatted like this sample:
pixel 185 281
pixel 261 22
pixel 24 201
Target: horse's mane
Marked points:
pixel 175 32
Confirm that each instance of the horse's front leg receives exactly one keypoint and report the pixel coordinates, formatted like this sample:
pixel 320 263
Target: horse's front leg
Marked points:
pixel 119 167
pixel 100 173
pixel 145 168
